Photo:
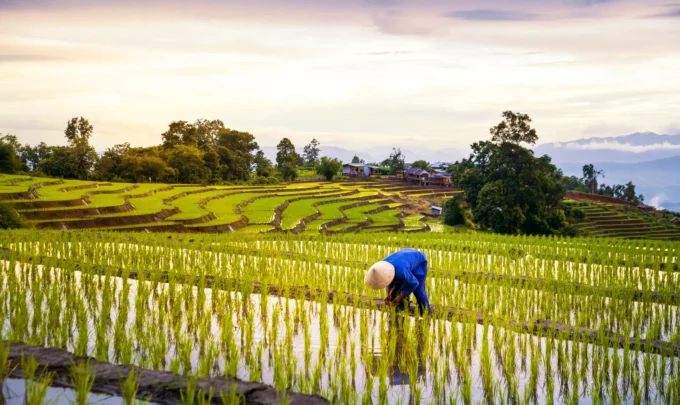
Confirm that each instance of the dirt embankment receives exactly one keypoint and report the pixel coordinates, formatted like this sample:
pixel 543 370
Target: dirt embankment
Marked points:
pixel 161 387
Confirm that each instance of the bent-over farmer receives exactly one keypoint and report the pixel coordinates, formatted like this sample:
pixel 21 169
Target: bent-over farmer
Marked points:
pixel 402 273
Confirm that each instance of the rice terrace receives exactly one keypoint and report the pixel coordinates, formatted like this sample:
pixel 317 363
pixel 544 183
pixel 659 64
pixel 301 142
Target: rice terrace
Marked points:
pixel 364 202
pixel 264 285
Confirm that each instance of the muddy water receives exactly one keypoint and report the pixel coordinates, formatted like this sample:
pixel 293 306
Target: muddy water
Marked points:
pixel 14 393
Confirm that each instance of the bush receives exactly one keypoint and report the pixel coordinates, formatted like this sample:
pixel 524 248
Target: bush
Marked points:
pixel 578 214
pixel 9 219
pixel 454 213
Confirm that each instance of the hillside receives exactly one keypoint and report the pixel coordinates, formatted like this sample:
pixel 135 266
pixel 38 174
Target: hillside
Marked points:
pixel 604 219
pixel 300 207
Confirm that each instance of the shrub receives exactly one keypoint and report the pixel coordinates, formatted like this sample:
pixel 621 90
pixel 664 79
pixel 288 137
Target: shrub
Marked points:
pixel 454 213
pixel 578 214
pixel 9 219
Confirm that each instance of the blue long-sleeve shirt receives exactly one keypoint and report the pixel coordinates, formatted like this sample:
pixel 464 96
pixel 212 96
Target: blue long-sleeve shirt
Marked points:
pixel 410 271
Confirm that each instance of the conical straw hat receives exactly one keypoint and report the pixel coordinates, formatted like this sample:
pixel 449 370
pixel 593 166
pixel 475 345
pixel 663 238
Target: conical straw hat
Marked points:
pixel 380 275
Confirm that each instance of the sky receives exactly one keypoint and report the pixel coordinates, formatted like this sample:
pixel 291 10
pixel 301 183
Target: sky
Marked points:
pixel 351 73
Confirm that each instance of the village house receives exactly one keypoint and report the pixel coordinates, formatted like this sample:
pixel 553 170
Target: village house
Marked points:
pixel 675 221
pixel 358 170
pixel 417 176
pixel 424 178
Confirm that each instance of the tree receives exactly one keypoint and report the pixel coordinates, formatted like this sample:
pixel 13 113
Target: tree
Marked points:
pixel 9 219
pixel 357 160
pixel 207 132
pixel 396 161
pixel 329 167
pixel 187 161
pixel 263 166
pixel 109 166
pixel 311 153
pixel 33 155
pixel 61 163
pixel 235 149
pixel 515 128
pixel 10 162
pixel 180 133
pixel 508 188
pixel 590 176
pixel 629 193
pixel 78 132
pixel 421 164
pixel 454 213
pixel 287 159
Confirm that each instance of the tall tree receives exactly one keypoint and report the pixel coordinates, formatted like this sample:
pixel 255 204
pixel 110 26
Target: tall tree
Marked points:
pixel 110 164
pixel 630 195
pixel 329 167
pixel 180 133
pixel 356 159
pixel 590 175
pixel 33 155
pixel 287 159
pixel 508 188
pixel 187 161
pixel 396 161
pixel 10 162
pixel 207 132
pixel 311 152
pixel 515 128
pixel 78 133
pixel 263 166
pixel 235 149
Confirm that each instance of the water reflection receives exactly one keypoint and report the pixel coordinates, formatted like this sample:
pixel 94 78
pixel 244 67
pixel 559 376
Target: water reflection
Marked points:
pixel 397 372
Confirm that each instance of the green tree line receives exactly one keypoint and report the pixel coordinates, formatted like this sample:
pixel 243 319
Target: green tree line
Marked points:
pixel 199 152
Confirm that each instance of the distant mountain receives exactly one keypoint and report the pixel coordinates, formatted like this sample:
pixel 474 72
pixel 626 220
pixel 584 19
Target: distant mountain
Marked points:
pixel 638 147
pixel 655 179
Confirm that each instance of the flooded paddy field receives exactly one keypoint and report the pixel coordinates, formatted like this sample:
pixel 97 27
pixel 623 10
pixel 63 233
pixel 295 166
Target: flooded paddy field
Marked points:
pixel 244 308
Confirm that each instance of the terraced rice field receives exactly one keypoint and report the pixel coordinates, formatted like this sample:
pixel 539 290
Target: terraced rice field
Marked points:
pixel 611 220
pixel 263 318
pixel 301 207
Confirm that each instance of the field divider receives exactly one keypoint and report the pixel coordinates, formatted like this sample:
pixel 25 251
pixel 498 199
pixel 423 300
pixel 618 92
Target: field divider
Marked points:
pixel 162 387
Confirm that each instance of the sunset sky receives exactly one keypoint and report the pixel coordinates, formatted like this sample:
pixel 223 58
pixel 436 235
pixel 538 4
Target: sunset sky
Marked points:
pixel 369 73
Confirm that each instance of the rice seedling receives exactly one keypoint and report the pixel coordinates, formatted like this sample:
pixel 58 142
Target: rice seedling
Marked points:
pixel 272 308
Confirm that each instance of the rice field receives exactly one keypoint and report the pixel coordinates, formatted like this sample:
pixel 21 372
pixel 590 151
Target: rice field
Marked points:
pixel 516 320
pixel 308 207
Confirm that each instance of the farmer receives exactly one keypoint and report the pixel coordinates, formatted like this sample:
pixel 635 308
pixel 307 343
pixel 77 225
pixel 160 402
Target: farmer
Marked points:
pixel 403 273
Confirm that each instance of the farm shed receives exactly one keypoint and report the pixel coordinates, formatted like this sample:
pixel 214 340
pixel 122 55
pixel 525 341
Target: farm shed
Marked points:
pixel 436 211
pixel 675 221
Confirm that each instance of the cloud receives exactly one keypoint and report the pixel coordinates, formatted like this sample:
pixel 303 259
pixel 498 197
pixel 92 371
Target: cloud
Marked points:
pixel 26 58
pixel 674 13
pixel 490 15
pixel 657 200
pixel 618 146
